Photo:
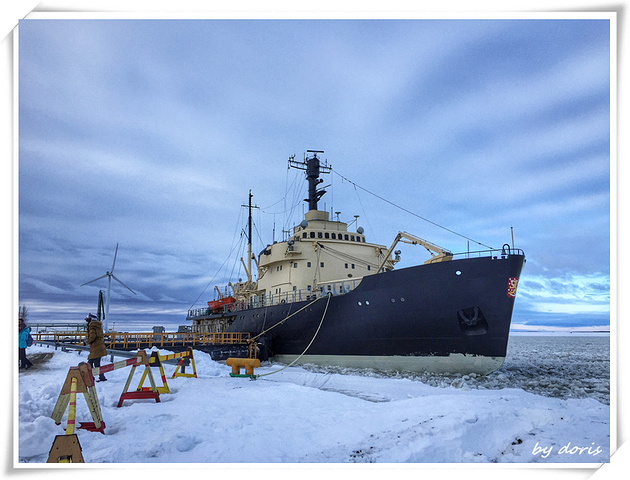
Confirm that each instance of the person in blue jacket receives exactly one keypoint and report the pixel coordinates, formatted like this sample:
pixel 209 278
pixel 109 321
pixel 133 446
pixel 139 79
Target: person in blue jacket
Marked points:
pixel 23 338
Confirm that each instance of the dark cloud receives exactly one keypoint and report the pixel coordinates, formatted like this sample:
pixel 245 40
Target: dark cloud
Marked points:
pixel 151 133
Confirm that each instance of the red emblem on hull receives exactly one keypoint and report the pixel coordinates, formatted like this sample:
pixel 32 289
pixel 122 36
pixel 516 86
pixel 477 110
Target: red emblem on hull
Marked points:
pixel 511 288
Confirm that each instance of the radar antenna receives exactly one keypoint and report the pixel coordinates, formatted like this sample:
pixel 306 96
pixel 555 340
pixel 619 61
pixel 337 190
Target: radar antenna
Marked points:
pixel 313 167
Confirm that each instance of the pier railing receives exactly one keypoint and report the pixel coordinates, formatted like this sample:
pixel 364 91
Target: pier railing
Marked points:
pixel 132 340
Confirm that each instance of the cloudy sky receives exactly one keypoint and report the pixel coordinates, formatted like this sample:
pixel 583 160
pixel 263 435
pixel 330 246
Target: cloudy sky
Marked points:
pixel 150 134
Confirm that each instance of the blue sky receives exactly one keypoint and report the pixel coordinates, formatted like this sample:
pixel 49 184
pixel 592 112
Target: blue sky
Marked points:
pixel 151 134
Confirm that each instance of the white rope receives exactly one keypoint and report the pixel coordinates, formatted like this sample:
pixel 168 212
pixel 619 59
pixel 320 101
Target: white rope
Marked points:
pixel 307 347
pixel 253 339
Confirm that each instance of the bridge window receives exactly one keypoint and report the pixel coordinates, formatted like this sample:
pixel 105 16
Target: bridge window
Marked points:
pixel 352 238
pixel 308 264
pixel 346 265
pixel 304 234
pixel 334 236
pixel 319 235
pixel 326 235
pixel 321 264
pixel 312 234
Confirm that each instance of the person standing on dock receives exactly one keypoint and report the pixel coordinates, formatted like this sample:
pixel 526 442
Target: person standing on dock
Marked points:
pixel 25 331
pixel 96 342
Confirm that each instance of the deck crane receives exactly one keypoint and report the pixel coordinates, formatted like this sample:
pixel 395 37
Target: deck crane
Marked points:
pixel 438 254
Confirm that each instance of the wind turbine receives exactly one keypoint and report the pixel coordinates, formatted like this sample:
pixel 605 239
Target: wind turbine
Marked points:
pixel 109 276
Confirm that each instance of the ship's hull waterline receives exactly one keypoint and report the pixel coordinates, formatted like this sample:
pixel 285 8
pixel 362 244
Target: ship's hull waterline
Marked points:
pixel 445 317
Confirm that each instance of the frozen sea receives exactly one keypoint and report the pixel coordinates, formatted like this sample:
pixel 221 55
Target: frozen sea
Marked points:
pixel 549 403
pixel 553 365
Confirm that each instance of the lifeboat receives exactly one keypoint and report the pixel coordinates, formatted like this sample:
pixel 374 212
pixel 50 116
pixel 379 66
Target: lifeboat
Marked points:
pixel 215 305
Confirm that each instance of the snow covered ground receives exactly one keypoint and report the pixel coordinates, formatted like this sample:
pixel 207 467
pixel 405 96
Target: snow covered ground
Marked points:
pixel 313 415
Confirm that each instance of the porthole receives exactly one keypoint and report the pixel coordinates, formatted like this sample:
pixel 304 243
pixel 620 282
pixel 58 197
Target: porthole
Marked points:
pixel 402 299
pixel 359 303
pixel 458 272
pixel 393 300
pixel 367 302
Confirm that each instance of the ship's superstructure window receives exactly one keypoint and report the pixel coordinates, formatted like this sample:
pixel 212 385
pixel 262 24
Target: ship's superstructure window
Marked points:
pixel 352 238
pixel 304 235
pixel 321 264
pixel 334 236
pixel 319 235
pixel 326 235
pixel 295 265
pixel 346 265
pixel 345 237
pixel 312 234
pixel 308 264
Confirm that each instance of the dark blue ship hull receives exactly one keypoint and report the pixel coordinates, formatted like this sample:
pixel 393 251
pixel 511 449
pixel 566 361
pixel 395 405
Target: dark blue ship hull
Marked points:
pixel 452 316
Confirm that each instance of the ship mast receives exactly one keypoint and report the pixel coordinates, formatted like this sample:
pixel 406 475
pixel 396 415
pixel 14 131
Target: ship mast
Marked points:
pixel 249 238
pixel 313 168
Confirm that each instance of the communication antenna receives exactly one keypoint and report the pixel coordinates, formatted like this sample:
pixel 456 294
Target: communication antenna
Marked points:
pixel 313 167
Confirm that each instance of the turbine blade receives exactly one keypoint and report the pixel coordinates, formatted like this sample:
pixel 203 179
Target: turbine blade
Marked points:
pixel 114 277
pixel 91 281
pixel 115 254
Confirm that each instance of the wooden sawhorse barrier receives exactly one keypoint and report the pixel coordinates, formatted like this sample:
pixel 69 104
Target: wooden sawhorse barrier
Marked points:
pixel 80 379
pixel 155 360
pixel 66 448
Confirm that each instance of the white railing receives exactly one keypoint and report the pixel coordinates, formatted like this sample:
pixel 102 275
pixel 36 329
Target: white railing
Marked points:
pixel 340 287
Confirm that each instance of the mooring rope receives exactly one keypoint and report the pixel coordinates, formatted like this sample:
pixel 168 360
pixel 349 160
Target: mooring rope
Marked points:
pixel 253 339
pixel 410 212
pixel 309 344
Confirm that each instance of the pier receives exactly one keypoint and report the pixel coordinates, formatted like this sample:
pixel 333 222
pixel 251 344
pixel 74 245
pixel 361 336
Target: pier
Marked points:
pixel 219 345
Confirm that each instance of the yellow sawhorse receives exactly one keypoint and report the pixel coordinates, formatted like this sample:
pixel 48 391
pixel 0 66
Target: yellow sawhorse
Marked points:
pixel 66 448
